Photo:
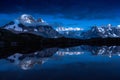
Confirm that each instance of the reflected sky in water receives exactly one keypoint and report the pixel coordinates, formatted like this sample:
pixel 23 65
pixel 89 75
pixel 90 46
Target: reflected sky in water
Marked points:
pixel 75 63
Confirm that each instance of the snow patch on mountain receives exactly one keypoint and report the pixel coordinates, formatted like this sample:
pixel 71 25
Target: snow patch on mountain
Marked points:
pixel 28 20
pixel 26 23
pixel 70 32
pixel 13 27
pixel 103 32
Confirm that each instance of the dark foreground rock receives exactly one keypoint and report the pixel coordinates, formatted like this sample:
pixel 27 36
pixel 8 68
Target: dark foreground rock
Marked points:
pixel 8 38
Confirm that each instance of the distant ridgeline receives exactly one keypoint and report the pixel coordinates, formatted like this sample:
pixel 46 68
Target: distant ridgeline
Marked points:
pixel 27 31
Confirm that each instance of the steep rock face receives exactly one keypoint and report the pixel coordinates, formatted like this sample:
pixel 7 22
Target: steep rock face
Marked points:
pixel 44 30
pixel 26 23
pixel 102 32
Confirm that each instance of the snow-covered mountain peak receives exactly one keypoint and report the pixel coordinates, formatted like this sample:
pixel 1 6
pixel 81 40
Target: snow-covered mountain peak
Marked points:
pixel 26 23
pixel 40 20
pixel 26 18
pixel 29 20
pixel 104 31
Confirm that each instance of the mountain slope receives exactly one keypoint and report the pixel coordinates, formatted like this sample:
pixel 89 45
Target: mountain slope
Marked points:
pixel 26 23
pixel 102 32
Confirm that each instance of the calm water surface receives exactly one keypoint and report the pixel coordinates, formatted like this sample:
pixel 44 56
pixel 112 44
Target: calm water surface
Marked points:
pixel 75 63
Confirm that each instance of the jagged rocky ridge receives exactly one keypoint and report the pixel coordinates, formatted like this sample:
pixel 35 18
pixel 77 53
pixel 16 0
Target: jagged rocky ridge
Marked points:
pixel 26 42
pixel 70 32
pixel 27 31
pixel 93 32
pixel 27 24
pixel 101 32
pixel 8 38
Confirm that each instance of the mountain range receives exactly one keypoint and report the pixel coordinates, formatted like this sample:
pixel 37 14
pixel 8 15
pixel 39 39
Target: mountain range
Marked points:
pixel 103 32
pixel 27 24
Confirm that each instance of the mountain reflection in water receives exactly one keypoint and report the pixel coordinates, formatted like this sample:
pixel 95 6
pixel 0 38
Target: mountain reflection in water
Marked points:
pixel 80 62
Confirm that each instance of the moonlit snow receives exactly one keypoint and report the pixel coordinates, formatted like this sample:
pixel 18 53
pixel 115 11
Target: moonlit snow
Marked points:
pixel 28 20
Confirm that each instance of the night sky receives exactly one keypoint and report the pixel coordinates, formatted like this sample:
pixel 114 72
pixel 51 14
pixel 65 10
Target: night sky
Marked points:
pixel 67 12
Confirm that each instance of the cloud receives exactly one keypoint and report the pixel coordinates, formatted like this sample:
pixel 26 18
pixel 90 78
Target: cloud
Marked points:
pixel 72 9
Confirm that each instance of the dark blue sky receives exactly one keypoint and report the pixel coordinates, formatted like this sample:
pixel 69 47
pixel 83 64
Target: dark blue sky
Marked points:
pixel 77 10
